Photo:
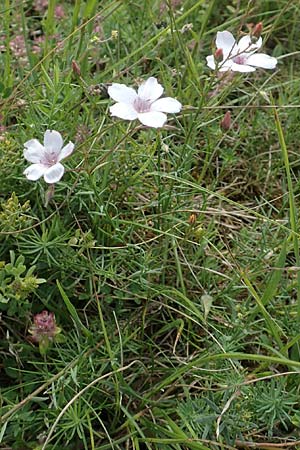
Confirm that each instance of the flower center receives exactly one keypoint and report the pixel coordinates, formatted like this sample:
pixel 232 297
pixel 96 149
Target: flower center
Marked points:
pixel 239 59
pixel 50 158
pixel 142 105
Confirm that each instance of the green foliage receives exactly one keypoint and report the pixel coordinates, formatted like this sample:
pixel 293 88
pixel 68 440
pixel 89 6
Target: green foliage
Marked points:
pixel 16 285
pixel 10 157
pixel 272 404
pixel 14 216
pixel 170 255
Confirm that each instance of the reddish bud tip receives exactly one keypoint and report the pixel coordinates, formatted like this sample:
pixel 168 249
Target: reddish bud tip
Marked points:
pixel 257 30
pixel 225 123
pixel 219 55
pixel 76 68
pixel 192 219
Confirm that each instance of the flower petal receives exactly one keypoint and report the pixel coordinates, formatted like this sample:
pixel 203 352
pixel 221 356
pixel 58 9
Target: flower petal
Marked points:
pixel 121 93
pixel 262 60
pixel 242 68
pixel 53 141
pixel 35 171
pixel 125 111
pixel 167 105
pixel 66 151
pixel 225 65
pixel 226 42
pixel 211 62
pixel 34 151
pixel 150 89
pixel 53 174
pixel 246 45
pixel 153 119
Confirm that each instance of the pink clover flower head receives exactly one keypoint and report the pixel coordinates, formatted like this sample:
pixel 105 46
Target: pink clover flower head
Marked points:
pixel 59 12
pixel 46 158
pixel 44 326
pixel 144 105
pixel 240 56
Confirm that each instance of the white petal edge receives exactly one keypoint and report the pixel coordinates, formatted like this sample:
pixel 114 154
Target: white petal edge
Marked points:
pixel 150 90
pixel 167 105
pixel 53 141
pixel 53 174
pixel 226 42
pixel 262 60
pixel 153 119
pixel 35 171
pixel 211 62
pixel 66 151
pixel 34 154
pixel 243 68
pixel 246 45
pixel 123 111
pixel 121 93
pixel 36 149
pixel 225 65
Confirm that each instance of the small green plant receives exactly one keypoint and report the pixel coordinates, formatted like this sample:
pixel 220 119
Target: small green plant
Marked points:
pixel 275 406
pixel 14 215
pixel 170 252
pixel 16 285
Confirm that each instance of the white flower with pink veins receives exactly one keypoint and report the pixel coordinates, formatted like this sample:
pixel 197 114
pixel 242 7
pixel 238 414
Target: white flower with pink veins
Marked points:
pixel 241 56
pixel 46 158
pixel 144 105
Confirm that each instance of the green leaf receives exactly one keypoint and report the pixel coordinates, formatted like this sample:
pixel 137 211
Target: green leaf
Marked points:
pixel 206 301
pixel 73 311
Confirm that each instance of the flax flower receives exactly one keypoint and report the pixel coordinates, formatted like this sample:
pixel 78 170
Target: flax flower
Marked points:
pixel 144 105
pixel 239 56
pixel 46 158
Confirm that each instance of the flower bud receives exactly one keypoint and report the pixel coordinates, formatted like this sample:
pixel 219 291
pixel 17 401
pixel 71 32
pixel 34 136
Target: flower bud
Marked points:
pixel 76 68
pixel 256 32
pixel 219 55
pixel 225 123
pixel 192 219
pixel 49 194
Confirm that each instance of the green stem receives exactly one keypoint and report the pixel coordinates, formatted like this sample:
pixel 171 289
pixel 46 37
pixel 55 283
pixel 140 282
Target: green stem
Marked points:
pixel 293 212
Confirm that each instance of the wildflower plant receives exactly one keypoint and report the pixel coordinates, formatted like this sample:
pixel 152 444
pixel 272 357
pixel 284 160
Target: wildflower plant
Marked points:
pixel 146 104
pixel 14 215
pixel 239 56
pixel 46 158
pixel 172 264
pixel 44 331
pixel 17 284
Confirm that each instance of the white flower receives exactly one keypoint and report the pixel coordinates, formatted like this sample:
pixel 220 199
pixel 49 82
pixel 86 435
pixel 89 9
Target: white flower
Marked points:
pixel 46 158
pixel 241 56
pixel 144 105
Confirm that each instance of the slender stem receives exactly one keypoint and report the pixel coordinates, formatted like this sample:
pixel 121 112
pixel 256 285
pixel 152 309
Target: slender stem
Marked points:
pixel 293 212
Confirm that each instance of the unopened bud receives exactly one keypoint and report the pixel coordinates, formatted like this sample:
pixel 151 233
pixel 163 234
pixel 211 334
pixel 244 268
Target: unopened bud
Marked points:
pixel 114 34
pixel 225 123
pixel 192 219
pixel 76 68
pixel 256 32
pixel 49 194
pixel 219 55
